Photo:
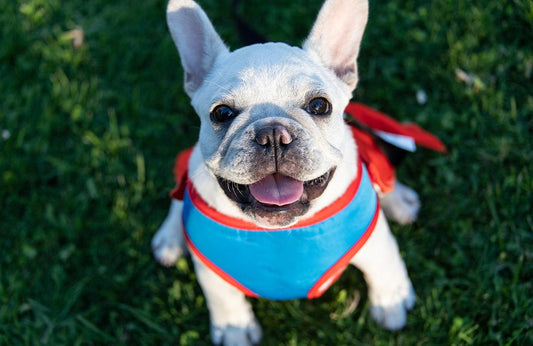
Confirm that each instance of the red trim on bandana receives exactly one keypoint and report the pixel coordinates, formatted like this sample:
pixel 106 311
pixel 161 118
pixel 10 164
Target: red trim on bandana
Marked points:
pixel 217 270
pixel 333 273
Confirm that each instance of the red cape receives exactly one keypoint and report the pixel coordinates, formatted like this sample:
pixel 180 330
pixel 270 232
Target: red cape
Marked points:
pixel 380 169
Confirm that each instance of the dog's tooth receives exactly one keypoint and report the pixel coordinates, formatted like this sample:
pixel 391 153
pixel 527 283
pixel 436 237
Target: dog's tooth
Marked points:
pixel 304 199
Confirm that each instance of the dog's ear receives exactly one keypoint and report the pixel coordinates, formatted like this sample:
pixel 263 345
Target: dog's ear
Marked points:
pixel 198 43
pixel 336 36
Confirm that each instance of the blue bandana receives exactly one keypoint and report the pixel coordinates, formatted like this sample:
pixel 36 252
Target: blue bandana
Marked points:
pixel 296 262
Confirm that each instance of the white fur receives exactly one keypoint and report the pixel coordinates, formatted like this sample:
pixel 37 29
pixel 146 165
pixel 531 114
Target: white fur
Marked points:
pixel 167 243
pixel 232 319
pixel 401 204
pixel 389 288
pixel 280 77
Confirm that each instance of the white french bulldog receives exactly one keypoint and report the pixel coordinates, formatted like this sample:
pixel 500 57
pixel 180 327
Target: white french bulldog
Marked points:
pixel 274 155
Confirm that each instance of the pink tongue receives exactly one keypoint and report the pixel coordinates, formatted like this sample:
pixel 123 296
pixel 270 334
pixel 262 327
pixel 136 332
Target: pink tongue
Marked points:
pixel 277 189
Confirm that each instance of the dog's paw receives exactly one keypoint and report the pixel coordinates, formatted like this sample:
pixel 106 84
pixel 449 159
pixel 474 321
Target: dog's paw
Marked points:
pixel 249 334
pixel 168 243
pixel 401 204
pixel 167 246
pixel 390 310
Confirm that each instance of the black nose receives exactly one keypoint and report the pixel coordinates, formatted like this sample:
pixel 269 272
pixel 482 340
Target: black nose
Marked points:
pixel 273 135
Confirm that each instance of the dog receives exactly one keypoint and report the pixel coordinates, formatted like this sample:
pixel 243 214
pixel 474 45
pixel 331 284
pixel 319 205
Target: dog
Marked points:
pixel 276 202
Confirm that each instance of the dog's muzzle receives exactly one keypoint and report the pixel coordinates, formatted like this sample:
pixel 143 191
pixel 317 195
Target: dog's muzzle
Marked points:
pixel 276 198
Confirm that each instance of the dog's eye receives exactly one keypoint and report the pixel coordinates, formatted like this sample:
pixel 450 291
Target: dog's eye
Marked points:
pixel 319 106
pixel 222 113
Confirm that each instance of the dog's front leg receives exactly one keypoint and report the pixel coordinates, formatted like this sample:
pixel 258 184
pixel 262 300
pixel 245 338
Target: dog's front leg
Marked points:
pixel 232 319
pixel 168 243
pixel 389 287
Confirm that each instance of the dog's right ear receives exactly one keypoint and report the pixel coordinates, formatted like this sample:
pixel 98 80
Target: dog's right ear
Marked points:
pixel 336 36
pixel 198 43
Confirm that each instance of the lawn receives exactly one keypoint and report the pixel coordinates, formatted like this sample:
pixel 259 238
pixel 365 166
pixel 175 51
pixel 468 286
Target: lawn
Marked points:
pixel 92 113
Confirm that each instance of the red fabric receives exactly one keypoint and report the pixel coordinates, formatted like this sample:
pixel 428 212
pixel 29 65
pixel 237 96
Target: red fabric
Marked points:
pixel 181 167
pixel 380 170
pixel 379 121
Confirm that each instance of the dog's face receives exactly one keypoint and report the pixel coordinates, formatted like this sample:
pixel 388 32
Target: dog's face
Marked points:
pixel 272 128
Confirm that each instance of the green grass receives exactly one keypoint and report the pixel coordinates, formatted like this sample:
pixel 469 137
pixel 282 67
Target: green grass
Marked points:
pixel 88 136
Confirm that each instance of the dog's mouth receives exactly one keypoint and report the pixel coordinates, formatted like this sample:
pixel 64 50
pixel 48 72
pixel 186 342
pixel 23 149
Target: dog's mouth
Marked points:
pixel 276 200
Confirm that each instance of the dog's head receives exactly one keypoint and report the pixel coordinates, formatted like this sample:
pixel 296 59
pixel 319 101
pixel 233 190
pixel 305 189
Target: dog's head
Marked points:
pixel 272 128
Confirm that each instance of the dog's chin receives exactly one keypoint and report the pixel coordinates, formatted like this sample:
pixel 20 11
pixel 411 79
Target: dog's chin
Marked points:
pixel 276 215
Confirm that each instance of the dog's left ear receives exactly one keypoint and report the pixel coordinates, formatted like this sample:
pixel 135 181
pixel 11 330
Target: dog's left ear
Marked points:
pixel 336 36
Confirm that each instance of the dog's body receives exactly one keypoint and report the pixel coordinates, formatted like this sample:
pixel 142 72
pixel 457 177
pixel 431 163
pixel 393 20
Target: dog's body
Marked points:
pixel 274 151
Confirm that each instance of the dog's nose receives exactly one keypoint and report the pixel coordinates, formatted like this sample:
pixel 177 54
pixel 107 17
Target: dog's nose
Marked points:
pixel 273 135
